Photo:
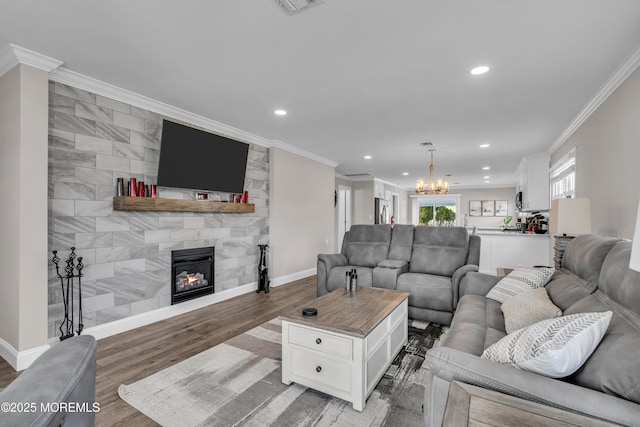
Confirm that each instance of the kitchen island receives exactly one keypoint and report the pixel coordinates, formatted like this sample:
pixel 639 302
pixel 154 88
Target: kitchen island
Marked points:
pixel 510 249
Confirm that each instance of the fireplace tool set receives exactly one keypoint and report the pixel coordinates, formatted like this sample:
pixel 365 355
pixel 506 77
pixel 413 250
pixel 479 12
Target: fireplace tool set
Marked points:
pixel 263 271
pixel 72 271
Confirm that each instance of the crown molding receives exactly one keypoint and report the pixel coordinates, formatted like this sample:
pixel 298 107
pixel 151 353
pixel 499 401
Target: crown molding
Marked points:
pixel 80 81
pixel 13 55
pixel 300 152
pixel 628 66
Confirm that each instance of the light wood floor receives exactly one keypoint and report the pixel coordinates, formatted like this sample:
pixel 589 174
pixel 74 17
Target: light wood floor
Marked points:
pixel 136 354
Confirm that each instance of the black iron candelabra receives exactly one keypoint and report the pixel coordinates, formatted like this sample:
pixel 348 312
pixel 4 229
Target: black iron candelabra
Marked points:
pixel 72 271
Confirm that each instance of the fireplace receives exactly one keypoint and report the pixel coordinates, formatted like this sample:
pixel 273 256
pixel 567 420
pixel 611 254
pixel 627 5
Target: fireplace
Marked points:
pixel 192 273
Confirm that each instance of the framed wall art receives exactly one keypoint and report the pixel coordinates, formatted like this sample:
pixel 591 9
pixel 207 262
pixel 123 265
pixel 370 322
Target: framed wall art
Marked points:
pixel 502 208
pixel 475 208
pixel 487 208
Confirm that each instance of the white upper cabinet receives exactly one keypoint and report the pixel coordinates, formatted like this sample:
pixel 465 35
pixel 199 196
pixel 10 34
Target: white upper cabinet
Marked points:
pixel 532 177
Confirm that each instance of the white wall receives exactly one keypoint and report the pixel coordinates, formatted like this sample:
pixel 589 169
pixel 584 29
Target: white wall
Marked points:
pixel 362 196
pixel 607 160
pixel 466 195
pixel 23 212
pixel 301 220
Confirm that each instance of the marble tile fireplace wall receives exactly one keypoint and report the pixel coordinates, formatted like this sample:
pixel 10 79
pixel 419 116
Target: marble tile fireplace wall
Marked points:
pixel 93 140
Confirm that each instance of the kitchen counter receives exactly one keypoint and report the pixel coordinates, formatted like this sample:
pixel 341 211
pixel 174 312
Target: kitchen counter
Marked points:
pixel 498 231
pixel 510 249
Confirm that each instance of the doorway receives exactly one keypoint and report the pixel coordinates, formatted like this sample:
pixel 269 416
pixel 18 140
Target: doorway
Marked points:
pixel 344 213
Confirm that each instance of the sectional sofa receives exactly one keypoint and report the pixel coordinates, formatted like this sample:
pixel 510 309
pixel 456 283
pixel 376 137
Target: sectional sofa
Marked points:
pixel 427 262
pixel 594 278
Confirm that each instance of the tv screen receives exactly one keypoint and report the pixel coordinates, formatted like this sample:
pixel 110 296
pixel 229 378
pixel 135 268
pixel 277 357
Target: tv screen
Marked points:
pixel 198 160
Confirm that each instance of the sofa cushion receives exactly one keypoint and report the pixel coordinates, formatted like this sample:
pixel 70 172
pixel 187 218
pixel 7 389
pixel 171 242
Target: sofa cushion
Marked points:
pixel 614 367
pixel 439 250
pixel 584 256
pixel 565 288
pixel 401 242
pixel 555 347
pixel 528 308
pixel 477 324
pixel 427 291
pixel 368 244
pixel 519 280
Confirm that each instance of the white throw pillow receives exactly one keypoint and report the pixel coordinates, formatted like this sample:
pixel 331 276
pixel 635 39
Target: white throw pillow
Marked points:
pixel 519 280
pixel 555 348
pixel 527 308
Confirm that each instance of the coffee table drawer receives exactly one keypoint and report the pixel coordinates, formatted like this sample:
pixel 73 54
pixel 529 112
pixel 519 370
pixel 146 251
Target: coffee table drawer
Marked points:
pixel 321 370
pixel 321 341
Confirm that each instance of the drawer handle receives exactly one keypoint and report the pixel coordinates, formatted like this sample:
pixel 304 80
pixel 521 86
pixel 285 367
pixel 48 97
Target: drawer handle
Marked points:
pixel 318 368
pixel 318 340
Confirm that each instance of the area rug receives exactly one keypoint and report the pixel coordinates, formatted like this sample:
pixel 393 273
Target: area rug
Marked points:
pixel 238 383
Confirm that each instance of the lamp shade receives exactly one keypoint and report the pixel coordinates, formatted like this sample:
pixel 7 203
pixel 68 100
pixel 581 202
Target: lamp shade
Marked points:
pixel 634 263
pixel 570 216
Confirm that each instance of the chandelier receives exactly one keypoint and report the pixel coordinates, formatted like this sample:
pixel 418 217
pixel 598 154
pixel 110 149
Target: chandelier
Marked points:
pixel 431 187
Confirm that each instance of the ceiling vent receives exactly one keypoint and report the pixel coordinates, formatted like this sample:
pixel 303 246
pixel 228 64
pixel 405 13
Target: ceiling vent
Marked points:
pixel 294 6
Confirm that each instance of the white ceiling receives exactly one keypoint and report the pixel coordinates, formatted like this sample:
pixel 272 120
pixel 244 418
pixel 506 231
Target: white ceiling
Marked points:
pixel 357 77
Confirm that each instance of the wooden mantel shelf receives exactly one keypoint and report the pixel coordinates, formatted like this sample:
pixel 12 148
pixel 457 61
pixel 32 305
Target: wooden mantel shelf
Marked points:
pixel 124 203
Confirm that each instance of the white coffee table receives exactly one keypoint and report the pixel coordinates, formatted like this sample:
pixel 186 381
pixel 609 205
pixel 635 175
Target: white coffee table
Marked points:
pixel 347 347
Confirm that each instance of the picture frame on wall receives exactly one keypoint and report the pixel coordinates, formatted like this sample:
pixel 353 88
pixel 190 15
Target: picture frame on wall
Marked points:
pixel 487 208
pixel 501 208
pixel 475 208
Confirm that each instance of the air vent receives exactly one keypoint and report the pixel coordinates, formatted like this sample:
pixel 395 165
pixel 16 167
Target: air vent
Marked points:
pixel 294 6
pixel 357 175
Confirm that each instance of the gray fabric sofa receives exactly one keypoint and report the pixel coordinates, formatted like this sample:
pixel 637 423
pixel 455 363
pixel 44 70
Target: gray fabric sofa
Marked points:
pixel 66 373
pixel 427 262
pixel 595 277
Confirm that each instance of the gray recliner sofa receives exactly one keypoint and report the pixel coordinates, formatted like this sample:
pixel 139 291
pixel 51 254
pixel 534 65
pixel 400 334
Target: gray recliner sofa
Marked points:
pixel 59 387
pixel 595 277
pixel 427 262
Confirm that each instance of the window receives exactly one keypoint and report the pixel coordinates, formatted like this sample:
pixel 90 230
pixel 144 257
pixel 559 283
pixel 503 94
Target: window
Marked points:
pixel 441 210
pixel 563 177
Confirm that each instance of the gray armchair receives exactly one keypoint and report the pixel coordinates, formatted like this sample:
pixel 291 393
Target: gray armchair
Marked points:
pixel 64 374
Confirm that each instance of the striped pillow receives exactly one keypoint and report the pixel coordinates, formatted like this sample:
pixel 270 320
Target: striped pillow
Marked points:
pixel 519 280
pixel 555 348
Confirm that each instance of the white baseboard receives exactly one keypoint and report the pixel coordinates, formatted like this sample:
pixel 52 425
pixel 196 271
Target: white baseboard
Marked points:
pixel 20 360
pixel 294 276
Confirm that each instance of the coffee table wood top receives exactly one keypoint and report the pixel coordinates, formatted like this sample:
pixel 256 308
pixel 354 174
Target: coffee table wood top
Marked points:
pixel 350 313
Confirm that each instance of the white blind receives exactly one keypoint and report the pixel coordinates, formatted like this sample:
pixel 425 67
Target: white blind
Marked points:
pixel 563 177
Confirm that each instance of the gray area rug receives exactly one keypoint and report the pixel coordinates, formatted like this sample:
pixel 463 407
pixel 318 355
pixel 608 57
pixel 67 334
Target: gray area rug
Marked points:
pixel 238 383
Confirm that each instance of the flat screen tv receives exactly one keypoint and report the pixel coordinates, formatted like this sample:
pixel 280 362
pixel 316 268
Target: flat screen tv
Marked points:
pixel 197 160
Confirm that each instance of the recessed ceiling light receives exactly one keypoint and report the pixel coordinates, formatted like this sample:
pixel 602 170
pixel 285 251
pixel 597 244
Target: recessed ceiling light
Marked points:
pixel 487 182
pixel 486 177
pixel 280 113
pixel 486 168
pixel 479 70
pixel 405 173
pixel 367 157
pixel 485 145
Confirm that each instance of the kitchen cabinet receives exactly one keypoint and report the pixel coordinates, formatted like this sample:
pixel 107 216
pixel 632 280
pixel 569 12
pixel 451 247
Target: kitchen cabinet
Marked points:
pixel 378 189
pixel 533 181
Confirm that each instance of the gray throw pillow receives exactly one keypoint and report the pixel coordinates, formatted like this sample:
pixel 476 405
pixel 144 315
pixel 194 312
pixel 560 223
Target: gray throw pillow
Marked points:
pixel 527 308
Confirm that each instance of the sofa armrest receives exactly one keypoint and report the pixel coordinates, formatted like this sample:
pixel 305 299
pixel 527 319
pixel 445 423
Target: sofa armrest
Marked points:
pixel 447 365
pixel 477 284
pixel 64 373
pixel 326 262
pixel 385 275
pixel 457 277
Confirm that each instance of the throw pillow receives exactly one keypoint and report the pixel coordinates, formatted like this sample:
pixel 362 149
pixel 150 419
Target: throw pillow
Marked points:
pixel 519 280
pixel 528 308
pixel 555 347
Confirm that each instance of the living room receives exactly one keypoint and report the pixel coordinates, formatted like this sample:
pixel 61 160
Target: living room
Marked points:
pixel 63 191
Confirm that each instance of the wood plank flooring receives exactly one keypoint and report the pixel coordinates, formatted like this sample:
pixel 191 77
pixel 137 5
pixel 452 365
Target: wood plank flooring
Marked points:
pixel 136 354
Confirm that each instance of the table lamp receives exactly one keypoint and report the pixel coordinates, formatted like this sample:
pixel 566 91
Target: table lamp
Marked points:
pixel 567 219
pixel 634 262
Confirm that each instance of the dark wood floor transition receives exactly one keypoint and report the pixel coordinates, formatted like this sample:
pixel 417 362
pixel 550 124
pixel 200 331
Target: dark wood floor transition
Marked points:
pixel 136 354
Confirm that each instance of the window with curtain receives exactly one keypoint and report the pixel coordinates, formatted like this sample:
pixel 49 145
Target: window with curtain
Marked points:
pixel 563 177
